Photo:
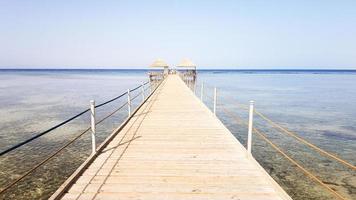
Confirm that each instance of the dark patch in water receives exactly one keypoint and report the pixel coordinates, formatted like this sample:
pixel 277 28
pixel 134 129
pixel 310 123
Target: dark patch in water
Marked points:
pixel 351 128
pixel 331 183
pixel 339 135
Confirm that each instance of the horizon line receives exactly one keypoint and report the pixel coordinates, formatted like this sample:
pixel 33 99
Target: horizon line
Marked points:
pixel 237 69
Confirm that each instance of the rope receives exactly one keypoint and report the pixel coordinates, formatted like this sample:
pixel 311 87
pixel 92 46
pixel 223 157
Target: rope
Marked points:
pixel 58 151
pixel 299 166
pixel 121 95
pixel 63 123
pixel 116 110
pixel 42 162
pixel 289 158
pixel 62 148
pixel 275 125
pixel 41 134
pixel 316 179
pixel 151 86
pixel 109 115
pixel 61 195
pixel 135 88
pixel 148 105
pixel 133 98
pixel 308 173
pixel 111 100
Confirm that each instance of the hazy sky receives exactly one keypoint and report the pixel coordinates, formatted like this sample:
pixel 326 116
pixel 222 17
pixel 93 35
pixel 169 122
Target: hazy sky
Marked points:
pixel 216 34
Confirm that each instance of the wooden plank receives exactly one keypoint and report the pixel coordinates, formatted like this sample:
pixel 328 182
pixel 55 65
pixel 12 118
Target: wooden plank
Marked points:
pixel 174 148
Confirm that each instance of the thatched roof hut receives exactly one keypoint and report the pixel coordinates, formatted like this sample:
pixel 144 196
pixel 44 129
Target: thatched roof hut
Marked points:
pixel 159 63
pixel 186 63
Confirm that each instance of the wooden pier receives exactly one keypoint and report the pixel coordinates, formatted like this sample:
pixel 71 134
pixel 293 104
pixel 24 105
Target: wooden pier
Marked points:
pixel 172 148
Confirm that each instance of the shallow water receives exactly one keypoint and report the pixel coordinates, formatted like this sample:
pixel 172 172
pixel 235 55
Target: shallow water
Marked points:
pixel 33 101
pixel 319 106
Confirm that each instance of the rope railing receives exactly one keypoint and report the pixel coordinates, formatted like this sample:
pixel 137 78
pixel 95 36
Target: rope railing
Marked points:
pixel 300 139
pixel 263 136
pixel 294 135
pixel 32 169
pixel 112 113
pixel 111 100
pixel 137 95
pixel 63 123
pixel 131 90
pixel 277 126
pixel 41 134
pixel 62 148
pixel 3 190
pixel 303 169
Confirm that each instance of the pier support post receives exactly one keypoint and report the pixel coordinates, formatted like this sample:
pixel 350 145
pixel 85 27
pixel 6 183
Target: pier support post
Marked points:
pixel 202 91
pixel 250 125
pixel 215 100
pixel 143 92
pixel 129 102
pixel 93 130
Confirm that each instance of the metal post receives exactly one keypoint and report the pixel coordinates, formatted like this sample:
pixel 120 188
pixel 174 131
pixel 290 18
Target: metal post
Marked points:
pixel 92 111
pixel 149 84
pixel 143 92
pixel 250 124
pixel 215 101
pixel 129 101
pixel 202 91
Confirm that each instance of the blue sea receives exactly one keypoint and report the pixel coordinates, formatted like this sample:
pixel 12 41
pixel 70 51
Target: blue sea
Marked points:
pixel 317 105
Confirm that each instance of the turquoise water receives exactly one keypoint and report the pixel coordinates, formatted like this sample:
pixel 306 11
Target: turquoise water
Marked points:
pixel 320 106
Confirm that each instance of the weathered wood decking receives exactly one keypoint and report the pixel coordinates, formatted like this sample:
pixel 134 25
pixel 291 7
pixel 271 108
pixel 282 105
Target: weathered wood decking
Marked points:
pixel 174 148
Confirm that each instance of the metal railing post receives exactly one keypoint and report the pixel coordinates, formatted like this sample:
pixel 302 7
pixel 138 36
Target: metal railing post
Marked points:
pixel 143 92
pixel 149 80
pixel 250 125
pixel 215 100
pixel 202 91
pixel 129 102
pixel 93 130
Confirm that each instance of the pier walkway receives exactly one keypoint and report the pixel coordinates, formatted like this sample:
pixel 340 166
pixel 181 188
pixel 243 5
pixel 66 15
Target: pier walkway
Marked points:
pixel 173 148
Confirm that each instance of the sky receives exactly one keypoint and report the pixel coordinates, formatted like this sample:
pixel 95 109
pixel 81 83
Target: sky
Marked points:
pixel 249 34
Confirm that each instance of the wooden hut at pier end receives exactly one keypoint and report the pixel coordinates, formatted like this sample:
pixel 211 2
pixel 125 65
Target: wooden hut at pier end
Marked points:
pixel 187 70
pixel 155 75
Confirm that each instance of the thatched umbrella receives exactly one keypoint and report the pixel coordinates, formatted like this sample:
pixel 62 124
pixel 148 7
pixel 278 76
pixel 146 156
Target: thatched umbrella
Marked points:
pixel 187 64
pixel 160 63
pixel 190 67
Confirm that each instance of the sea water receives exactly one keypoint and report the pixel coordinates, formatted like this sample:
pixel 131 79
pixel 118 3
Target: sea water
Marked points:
pixel 319 106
